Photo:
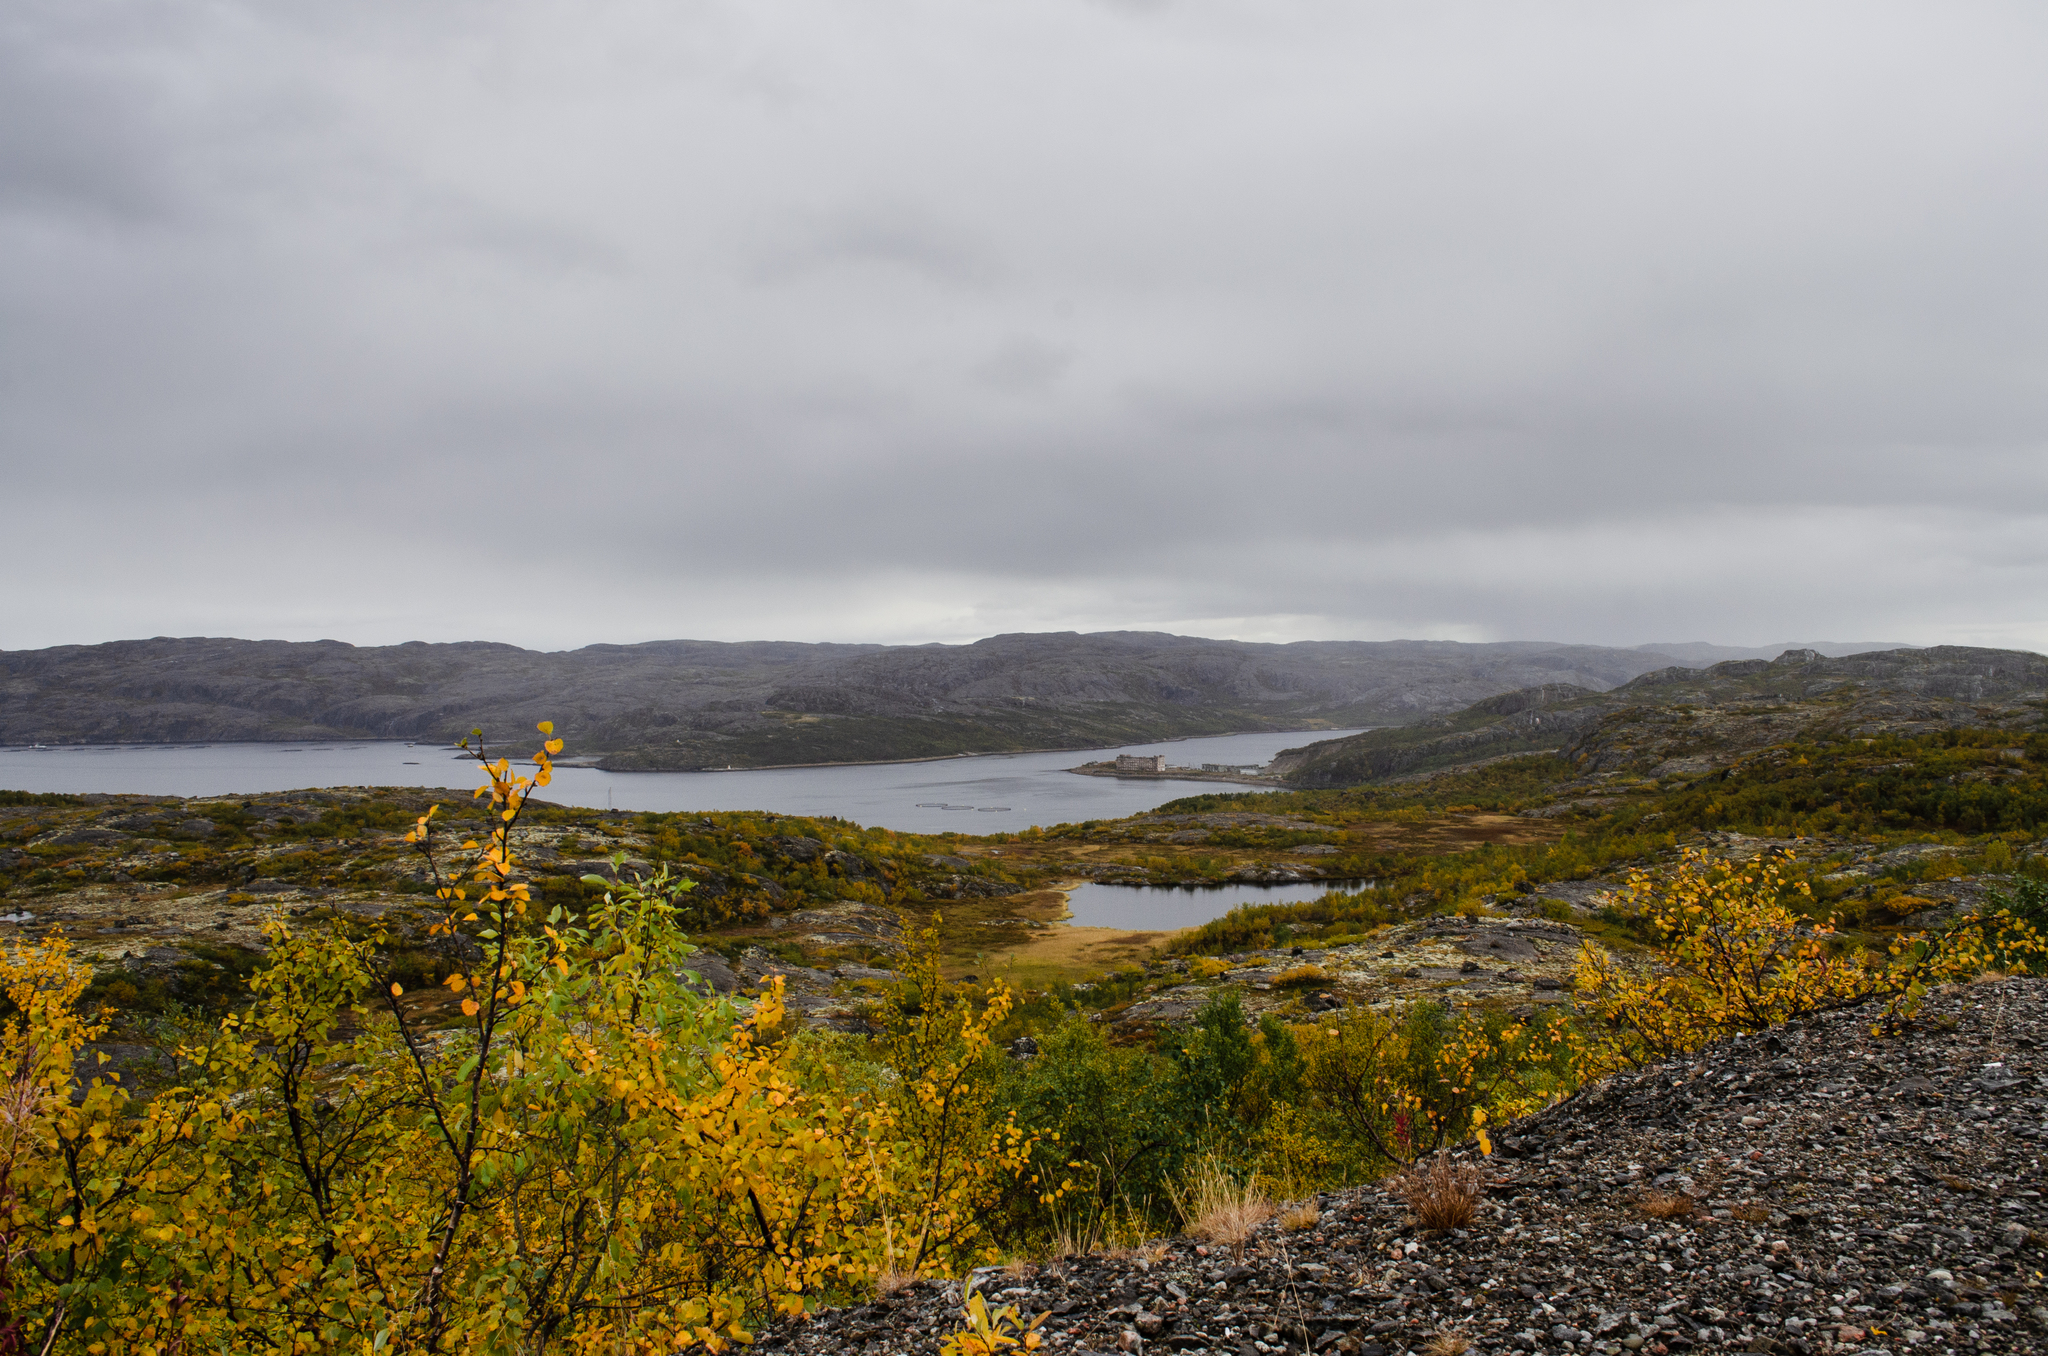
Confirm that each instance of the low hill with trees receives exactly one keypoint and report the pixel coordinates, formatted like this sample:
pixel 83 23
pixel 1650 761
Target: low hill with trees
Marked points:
pixel 1693 720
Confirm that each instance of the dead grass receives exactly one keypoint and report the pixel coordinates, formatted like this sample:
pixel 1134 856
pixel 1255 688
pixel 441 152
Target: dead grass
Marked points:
pixel 1042 957
pixel 1217 1207
pixel 1444 1195
pixel 1069 1242
pixel 1098 1236
pixel 1299 1215
pixel 1447 1344
pixel 1666 1204
pixel 889 1282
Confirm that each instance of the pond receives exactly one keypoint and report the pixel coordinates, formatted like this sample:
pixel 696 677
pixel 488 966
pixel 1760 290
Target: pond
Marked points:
pixel 989 793
pixel 1161 908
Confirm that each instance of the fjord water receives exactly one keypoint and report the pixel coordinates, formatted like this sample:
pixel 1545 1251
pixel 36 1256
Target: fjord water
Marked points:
pixel 988 793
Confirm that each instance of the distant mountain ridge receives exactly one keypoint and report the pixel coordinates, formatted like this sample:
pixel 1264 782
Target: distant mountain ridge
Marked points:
pixel 683 704
pixel 1700 653
pixel 1686 720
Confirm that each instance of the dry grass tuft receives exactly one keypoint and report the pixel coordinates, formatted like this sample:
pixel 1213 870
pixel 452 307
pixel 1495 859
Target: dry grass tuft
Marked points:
pixel 1301 974
pixel 1447 1344
pixel 1217 1207
pixel 1154 1251
pixel 1666 1204
pixel 1444 1195
pixel 890 1282
pixel 1066 1242
pixel 1299 1215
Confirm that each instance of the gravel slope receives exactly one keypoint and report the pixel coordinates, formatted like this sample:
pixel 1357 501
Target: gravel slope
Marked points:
pixel 1855 1194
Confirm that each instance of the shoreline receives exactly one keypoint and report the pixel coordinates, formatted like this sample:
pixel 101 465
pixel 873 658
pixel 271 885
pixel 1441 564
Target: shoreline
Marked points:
pixel 594 762
pixel 887 762
pixel 1178 775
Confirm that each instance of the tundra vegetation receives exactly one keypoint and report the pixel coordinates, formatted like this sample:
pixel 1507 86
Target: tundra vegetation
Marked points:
pixel 524 1127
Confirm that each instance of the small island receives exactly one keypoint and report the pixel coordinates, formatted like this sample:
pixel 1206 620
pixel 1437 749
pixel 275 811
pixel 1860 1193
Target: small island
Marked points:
pixel 1152 766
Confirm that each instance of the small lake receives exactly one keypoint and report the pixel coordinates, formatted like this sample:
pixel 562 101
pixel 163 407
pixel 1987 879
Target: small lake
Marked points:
pixel 1162 908
pixel 989 793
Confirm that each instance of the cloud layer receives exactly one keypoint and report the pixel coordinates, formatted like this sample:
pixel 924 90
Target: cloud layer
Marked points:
pixel 865 320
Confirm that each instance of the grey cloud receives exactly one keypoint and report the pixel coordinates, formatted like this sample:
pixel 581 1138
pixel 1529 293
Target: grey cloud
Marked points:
pixel 871 322
pixel 71 143
pixel 896 238
pixel 1023 365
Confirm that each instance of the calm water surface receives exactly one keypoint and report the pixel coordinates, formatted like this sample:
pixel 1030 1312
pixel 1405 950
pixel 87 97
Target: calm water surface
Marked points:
pixel 987 794
pixel 1160 908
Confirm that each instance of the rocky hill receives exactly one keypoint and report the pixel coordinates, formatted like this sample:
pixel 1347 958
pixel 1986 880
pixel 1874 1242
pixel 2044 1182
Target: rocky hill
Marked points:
pixel 694 704
pixel 1816 1190
pixel 1678 721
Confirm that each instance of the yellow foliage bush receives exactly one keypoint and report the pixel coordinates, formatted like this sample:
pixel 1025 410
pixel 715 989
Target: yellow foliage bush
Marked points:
pixel 958 1153
pixel 1295 1157
pixel 1413 1080
pixel 1735 957
pixel 594 1158
pixel 1893 908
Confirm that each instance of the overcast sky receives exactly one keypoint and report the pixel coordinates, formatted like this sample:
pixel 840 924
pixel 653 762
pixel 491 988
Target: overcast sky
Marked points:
pixel 615 320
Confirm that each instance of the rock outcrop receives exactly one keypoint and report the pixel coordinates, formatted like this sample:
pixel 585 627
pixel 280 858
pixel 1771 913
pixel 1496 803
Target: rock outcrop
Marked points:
pixel 1679 721
pixel 1541 717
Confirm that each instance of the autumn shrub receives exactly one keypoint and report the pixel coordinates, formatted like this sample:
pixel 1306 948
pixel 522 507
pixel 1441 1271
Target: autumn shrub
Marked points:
pixel 962 1148
pixel 1297 1153
pixel 1415 1079
pixel 1212 1062
pixel 2026 904
pixel 572 1150
pixel 1112 1123
pixel 1736 956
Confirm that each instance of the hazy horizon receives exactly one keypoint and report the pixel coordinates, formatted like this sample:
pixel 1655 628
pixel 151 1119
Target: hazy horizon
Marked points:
pixel 1833 649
